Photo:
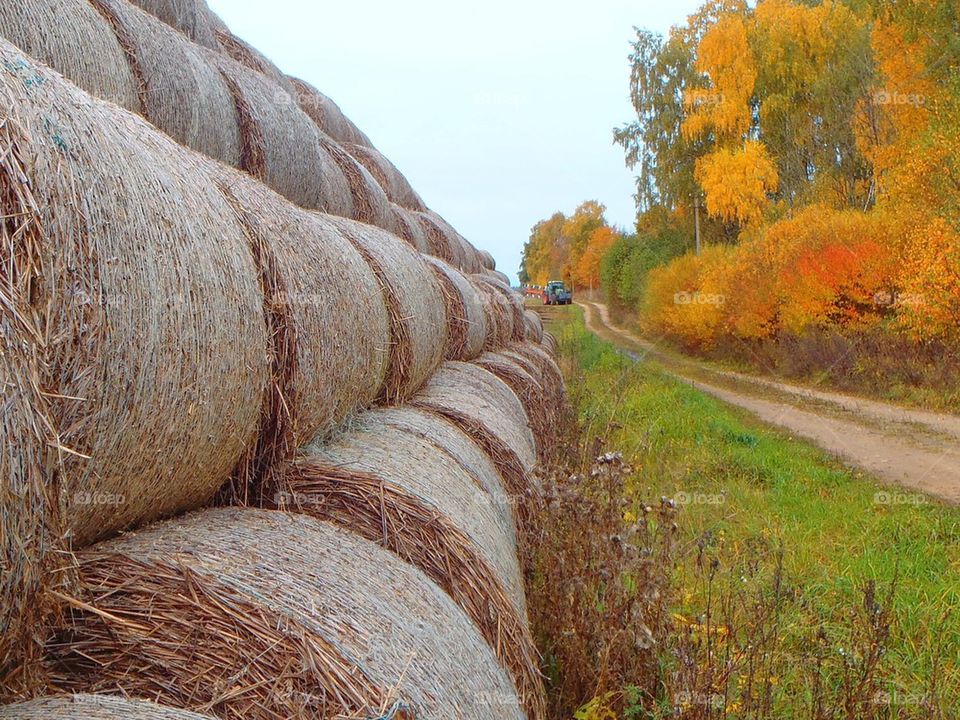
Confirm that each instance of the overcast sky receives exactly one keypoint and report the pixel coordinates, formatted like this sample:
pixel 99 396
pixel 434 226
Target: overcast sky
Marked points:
pixel 499 113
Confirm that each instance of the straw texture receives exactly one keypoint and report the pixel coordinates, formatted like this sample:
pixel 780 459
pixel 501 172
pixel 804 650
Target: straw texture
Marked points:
pixel 410 229
pixel 549 343
pixel 242 52
pixel 93 707
pixel 396 487
pixel 184 94
pixel 499 313
pixel 83 48
pixel 157 335
pixel 260 614
pixel 280 145
pixel 414 301
pixel 190 17
pixel 391 180
pixel 486 260
pixel 369 201
pixel 534 326
pixel 328 322
pixel 466 320
pixel 328 115
pixel 486 409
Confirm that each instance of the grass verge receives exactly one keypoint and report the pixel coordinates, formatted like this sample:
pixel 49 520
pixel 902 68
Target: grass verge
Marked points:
pixel 799 587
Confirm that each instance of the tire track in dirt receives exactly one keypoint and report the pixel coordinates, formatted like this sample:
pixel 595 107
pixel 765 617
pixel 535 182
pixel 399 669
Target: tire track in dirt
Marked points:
pixel 914 449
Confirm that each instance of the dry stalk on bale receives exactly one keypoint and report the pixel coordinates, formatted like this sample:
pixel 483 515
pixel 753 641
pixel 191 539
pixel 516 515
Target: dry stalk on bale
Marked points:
pixel 466 321
pixel 414 302
pixel 487 410
pixel 256 614
pixel 327 115
pixel 391 180
pixel 182 91
pixel 93 707
pixel 280 144
pixel 190 17
pixel 329 329
pixel 89 55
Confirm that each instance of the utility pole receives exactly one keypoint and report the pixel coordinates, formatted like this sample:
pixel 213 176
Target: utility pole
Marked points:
pixel 696 221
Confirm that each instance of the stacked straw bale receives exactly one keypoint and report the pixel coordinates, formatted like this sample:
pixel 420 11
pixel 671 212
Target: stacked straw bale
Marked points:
pixel 414 301
pixel 183 91
pixel 393 182
pixel 153 307
pixel 484 407
pixel 74 39
pixel 191 17
pixel 549 342
pixel 499 313
pixel 497 277
pixel 327 317
pixel 369 202
pixel 410 229
pixel 280 144
pixel 260 614
pixel 439 237
pixel 138 314
pixel 534 326
pixel 392 479
pixel 522 378
pixel 513 307
pixel 242 52
pixel 466 320
pixel 486 260
pixel 93 707
pixel 328 115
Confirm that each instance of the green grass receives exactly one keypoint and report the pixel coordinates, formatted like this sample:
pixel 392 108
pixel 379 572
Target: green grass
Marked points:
pixel 777 492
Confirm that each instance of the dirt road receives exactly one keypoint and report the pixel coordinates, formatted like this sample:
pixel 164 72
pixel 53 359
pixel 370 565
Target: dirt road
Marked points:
pixel 915 449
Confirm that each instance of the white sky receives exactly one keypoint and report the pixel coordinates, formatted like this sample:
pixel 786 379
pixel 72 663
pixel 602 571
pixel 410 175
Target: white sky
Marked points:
pixel 500 113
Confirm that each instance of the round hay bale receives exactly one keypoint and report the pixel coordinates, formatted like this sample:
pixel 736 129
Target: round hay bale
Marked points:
pixel 260 614
pixel 500 312
pixel 393 182
pixel 410 229
pixel 330 328
pixel 327 115
pixel 190 17
pixel 534 326
pixel 369 201
pixel 153 310
pixel 184 93
pixel 549 342
pixel 545 369
pixel 526 382
pixel 439 241
pixel 93 707
pixel 88 55
pixel 466 321
pixel 486 409
pixel 497 277
pixel 487 261
pixel 414 302
pixel 242 52
pixel 280 145
pixel 396 487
